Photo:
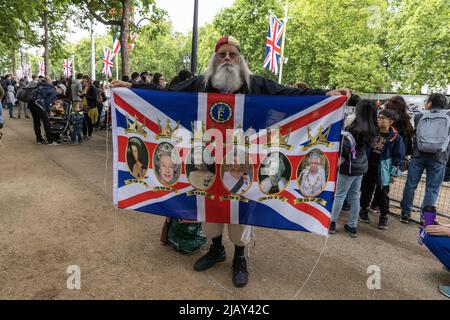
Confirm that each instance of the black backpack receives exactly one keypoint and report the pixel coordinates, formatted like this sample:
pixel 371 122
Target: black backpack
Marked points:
pixel 28 94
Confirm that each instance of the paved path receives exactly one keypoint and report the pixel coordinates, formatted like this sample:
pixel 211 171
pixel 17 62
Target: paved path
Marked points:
pixel 56 211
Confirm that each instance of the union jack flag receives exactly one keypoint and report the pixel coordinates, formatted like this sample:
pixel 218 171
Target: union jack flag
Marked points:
pixel 116 46
pixel 108 62
pixel 273 44
pixel 41 69
pixel 67 68
pixel 153 169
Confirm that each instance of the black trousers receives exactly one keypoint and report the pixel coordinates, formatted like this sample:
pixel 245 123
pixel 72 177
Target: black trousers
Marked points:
pixel 88 126
pixel 39 115
pixel 369 185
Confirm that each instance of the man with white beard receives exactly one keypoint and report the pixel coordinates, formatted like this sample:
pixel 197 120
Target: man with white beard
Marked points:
pixel 228 72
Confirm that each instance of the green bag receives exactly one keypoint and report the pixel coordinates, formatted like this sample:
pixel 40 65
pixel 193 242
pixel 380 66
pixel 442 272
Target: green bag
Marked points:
pixel 186 237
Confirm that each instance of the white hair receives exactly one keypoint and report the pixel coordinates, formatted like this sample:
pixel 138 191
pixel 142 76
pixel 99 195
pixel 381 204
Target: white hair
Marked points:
pixel 229 80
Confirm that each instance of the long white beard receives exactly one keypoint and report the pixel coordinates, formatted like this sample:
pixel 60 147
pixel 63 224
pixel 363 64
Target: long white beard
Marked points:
pixel 227 78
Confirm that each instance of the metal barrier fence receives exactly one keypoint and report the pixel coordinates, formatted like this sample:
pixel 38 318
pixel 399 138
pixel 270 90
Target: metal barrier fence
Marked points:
pixel 443 203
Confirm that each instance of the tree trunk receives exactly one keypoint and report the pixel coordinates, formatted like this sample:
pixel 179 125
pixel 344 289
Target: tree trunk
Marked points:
pixel 124 34
pixel 46 43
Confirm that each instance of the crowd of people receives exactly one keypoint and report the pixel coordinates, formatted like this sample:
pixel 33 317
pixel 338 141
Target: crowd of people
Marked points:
pixel 380 143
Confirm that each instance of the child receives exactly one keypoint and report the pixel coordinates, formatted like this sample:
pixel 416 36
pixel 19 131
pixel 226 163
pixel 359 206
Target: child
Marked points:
pixel 77 118
pixel 10 101
pixel 57 109
pixel 363 130
pixel 385 161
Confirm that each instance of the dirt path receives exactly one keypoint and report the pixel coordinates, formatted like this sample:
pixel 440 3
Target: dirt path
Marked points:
pixel 56 211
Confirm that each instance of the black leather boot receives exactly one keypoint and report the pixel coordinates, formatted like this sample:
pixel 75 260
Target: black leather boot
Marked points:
pixel 215 254
pixel 240 273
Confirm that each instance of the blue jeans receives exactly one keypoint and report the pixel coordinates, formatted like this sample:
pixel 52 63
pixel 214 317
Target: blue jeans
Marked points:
pixel 11 108
pixel 440 247
pixel 76 132
pixel 435 172
pixel 347 187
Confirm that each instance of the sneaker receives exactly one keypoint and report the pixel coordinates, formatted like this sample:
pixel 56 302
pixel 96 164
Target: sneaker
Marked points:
pixel 240 273
pixel 332 229
pixel 38 142
pixel 213 256
pixel 54 143
pixel 445 290
pixel 352 232
pixel 383 223
pixel 374 209
pixel 404 219
pixel 364 216
pixel 27 117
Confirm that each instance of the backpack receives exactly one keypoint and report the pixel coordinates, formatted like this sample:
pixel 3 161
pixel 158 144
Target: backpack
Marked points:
pixel 352 154
pixel 28 94
pixel 433 132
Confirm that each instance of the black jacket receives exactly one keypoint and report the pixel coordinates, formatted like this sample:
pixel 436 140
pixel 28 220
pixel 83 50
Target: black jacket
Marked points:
pixel 91 97
pixel 354 167
pixel 258 85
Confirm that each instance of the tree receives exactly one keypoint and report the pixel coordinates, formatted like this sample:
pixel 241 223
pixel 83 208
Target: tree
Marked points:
pixel 418 42
pixel 119 14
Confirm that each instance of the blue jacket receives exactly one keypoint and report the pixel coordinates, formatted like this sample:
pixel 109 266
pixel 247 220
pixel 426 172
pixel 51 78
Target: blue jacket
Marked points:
pixel 391 158
pixel 47 94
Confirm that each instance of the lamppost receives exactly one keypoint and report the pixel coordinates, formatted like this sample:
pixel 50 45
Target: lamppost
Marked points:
pixel 194 39
pixel 186 61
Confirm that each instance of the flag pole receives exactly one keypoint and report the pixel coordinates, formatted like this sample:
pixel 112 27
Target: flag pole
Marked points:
pixel 116 57
pixel 73 67
pixel 280 76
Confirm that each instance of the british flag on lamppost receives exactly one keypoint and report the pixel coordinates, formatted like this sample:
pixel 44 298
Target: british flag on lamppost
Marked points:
pixel 108 62
pixel 41 69
pixel 67 67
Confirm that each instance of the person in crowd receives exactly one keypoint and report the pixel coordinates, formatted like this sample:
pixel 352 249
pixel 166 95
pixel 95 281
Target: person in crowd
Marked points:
pixel 39 110
pixel 159 81
pixel 2 94
pixel 101 99
pixel 89 104
pixel 385 164
pixel 358 136
pixel 77 118
pixel 430 153
pixel 126 78
pixel 61 91
pixel 146 77
pixel 77 90
pixel 135 77
pixel 183 75
pixel 23 106
pixel 10 100
pixel 228 72
pixel 57 109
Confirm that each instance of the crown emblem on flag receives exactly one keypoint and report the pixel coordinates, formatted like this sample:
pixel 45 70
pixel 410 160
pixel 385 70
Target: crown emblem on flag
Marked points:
pixel 136 127
pixel 200 134
pixel 276 139
pixel 320 138
pixel 167 131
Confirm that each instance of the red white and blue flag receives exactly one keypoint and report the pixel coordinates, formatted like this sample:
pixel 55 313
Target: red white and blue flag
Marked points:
pixel 41 69
pixel 108 62
pixel 273 45
pixel 155 134
pixel 116 46
pixel 67 68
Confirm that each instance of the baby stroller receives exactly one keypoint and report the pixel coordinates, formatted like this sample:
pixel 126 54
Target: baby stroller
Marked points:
pixel 60 125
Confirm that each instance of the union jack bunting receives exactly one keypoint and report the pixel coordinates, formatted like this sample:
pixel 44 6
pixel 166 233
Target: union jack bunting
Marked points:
pixel 67 68
pixel 273 45
pixel 275 167
pixel 41 69
pixel 108 62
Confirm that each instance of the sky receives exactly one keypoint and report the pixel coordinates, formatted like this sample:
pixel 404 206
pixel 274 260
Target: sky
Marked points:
pixel 181 13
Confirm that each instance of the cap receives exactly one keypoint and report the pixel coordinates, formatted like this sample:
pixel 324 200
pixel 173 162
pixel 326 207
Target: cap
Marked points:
pixel 227 40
